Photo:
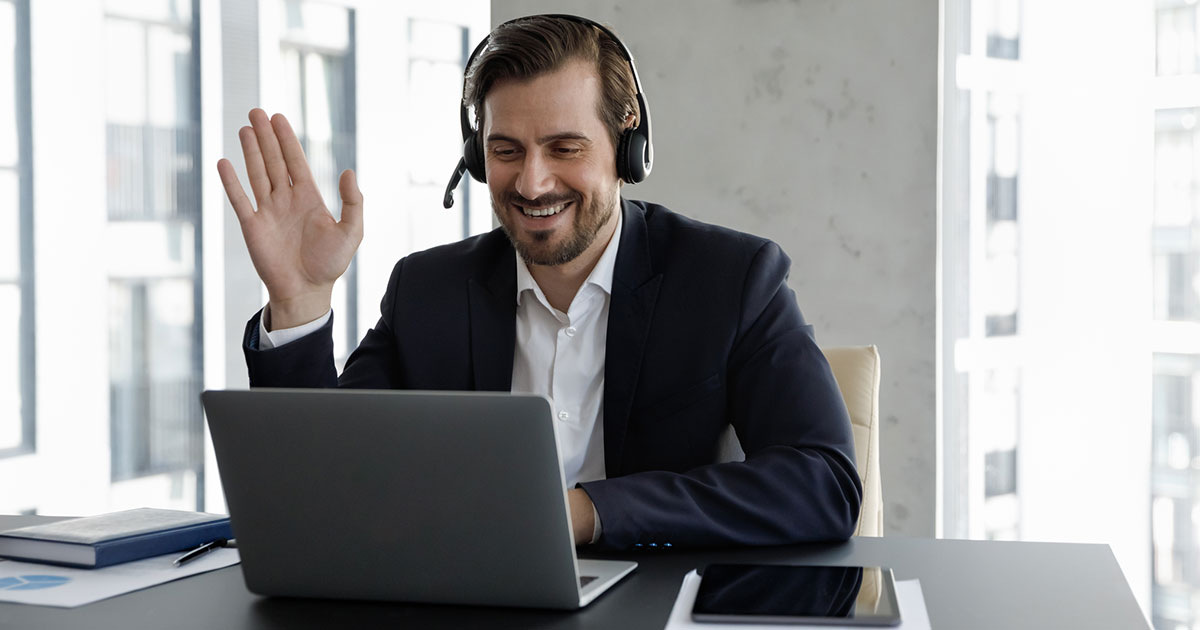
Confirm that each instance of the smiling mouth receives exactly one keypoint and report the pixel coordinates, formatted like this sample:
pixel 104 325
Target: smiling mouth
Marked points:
pixel 544 212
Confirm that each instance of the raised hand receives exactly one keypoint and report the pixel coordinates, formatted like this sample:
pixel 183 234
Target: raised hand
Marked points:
pixel 296 245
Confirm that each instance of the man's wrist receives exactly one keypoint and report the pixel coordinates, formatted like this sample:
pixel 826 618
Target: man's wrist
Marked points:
pixel 270 339
pixel 583 523
pixel 296 311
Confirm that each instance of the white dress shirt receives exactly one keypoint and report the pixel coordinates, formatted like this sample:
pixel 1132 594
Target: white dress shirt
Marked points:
pixel 561 356
pixel 558 355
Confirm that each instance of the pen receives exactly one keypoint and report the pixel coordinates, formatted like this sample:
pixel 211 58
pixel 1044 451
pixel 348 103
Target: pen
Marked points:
pixel 200 551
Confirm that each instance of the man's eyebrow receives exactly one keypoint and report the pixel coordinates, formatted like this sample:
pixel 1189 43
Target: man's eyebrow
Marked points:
pixel 497 137
pixel 562 135
pixel 565 135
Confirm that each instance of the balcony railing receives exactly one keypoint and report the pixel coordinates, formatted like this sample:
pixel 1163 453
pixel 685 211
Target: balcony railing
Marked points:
pixel 152 173
pixel 156 427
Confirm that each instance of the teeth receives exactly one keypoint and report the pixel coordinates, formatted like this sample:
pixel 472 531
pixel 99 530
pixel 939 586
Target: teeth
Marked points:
pixel 544 212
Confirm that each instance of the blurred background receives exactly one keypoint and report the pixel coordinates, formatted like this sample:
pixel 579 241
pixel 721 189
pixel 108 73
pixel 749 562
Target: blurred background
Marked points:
pixel 1003 195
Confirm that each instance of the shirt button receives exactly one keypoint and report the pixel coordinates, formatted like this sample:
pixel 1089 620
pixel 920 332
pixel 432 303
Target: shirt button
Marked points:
pixel 570 331
pixel 562 415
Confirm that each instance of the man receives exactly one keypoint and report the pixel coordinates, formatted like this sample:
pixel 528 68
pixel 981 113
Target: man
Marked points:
pixel 649 332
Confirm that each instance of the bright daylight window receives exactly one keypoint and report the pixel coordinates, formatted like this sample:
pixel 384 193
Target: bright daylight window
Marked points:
pixel 138 251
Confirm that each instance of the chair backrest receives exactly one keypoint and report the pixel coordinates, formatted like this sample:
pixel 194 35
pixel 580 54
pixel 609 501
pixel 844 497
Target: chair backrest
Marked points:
pixel 857 372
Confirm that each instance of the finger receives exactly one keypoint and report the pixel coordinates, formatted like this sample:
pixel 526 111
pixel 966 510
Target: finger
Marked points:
pixel 352 202
pixel 269 145
pixel 256 170
pixel 293 151
pixel 233 189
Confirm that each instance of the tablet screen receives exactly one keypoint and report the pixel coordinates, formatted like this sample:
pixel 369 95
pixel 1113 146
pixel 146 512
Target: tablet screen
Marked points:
pixel 863 596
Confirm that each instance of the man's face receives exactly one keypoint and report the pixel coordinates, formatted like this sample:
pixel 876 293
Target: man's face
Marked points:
pixel 550 163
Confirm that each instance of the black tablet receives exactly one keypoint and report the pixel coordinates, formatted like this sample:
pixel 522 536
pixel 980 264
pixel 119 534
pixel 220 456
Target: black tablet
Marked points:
pixel 776 593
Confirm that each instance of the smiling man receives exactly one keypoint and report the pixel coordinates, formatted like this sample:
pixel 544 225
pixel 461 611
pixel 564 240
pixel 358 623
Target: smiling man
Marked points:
pixel 550 168
pixel 650 333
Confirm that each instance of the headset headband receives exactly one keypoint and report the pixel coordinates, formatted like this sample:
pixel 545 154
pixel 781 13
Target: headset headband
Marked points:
pixel 635 150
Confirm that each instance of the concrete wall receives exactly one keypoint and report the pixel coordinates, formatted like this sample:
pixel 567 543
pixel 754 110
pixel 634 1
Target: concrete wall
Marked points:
pixel 814 123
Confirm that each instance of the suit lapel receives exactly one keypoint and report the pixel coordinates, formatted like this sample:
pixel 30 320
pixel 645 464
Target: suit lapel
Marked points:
pixel 634 293
pixel 493 307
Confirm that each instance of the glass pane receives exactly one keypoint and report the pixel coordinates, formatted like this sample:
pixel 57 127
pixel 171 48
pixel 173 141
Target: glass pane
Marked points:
pixel 154 391
pixel 293 99
pixel 316 24
pixel 1004 29
pixel 125 83
pixel 436 41
pixel 170 77
pixel 1177 44
pixel 1174 167
pixel 150 248
pixel 317 84
pixel 434 92
pixel 1174 502
pixel 8 85
pixel 10 367
pixel 176 11
pixel 10 227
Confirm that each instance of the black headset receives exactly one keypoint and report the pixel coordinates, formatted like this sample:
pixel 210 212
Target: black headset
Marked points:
pixel 635 151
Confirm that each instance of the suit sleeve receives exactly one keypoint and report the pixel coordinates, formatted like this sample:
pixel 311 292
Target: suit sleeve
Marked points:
pixel 308 361
pixel 798 482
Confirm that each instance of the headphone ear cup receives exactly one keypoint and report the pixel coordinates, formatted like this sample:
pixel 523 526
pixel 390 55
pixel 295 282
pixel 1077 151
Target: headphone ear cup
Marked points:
pixel 623 156
pixel 473 158
pixel 631 157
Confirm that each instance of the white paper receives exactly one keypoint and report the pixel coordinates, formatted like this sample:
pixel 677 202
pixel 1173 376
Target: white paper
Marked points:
pixel 912 610
pixel 65 587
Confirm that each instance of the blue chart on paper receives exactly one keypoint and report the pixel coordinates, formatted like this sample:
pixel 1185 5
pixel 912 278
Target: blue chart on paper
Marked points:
pixel 32 582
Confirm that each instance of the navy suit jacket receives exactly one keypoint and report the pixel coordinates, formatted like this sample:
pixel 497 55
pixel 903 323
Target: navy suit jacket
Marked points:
pixel 703 332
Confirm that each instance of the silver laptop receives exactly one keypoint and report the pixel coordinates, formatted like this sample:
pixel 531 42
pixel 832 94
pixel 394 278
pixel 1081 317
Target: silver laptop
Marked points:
pixel 433 497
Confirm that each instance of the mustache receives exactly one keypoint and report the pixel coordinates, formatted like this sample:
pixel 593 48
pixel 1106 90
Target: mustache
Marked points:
pixel 542 201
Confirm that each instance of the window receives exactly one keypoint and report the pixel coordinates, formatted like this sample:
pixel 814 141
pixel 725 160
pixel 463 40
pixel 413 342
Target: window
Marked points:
pixel 1176 263
pixel 1004 28
pixel 982 265
pixel 1177 48
pixel 1002 251
pixel 1052 239
pixel 119 423
pixel 1176 494
pixel 438 53
pixel 153 235
pixel 16 233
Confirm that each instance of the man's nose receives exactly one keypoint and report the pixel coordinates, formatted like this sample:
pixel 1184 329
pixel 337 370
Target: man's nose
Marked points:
pixel 536 177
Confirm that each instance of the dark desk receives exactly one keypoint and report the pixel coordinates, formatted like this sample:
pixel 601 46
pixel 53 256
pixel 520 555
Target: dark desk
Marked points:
pixel 967 585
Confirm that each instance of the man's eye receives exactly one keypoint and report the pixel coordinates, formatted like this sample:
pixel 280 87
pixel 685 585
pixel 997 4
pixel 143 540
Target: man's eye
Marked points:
pixel 504 153
pixel 566 151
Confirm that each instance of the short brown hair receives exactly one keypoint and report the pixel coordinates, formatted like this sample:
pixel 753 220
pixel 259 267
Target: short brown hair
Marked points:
pixel 529 47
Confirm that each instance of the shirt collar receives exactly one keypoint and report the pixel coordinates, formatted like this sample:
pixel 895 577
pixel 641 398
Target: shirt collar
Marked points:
pixel 601 275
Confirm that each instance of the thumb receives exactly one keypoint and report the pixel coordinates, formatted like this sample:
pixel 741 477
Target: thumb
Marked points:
pixel 352 201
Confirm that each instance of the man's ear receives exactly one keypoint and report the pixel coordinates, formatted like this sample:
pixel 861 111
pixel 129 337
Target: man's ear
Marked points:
pixel 630 121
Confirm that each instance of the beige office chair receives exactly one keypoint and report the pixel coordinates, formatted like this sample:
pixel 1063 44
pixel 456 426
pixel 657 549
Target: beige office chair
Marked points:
pixel 857 372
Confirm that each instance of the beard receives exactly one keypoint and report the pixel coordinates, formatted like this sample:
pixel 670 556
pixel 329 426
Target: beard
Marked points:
pixel 537 249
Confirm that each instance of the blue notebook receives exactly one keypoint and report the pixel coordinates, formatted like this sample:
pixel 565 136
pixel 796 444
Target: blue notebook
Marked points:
pixel 106 539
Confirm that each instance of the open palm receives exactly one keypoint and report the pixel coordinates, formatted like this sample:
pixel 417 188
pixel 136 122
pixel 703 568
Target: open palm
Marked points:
pixel 297 247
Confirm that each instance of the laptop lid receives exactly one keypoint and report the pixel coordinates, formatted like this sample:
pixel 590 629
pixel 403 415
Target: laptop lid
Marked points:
pixel 437 497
